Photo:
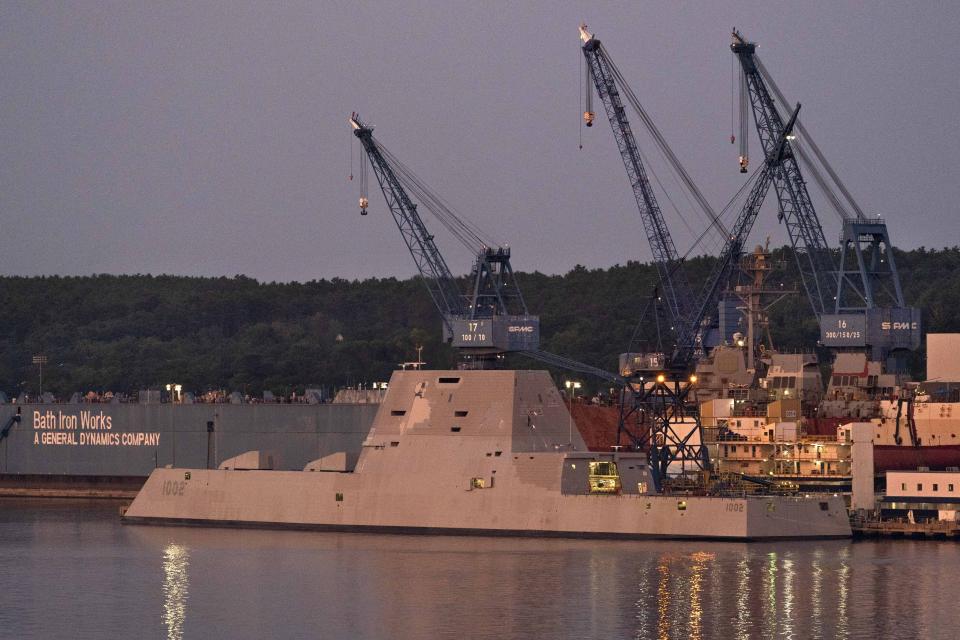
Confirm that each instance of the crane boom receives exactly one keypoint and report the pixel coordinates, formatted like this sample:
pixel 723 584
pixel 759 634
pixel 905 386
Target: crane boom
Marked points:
pixel 858 300
pixel 733 247
pixel 814 259
pixel 436 274
pixel 674 284
pixel 493 318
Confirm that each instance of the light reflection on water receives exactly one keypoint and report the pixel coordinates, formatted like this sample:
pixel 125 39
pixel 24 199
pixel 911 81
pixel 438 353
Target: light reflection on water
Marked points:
pixel 743 621
pixel 816 589
pixel 77 573
pixel 700 561
pixel 176 583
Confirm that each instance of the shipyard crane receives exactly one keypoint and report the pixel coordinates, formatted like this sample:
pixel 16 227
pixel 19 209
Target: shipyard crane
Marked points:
pixel 732 251
pixel 858 301
pixel 674 284
pixel 658 411
pixel 492 318
pixel 687 310
pixel 657 400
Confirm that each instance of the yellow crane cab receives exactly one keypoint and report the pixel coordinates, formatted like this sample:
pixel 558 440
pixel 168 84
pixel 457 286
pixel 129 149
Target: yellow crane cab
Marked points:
pixel 604 477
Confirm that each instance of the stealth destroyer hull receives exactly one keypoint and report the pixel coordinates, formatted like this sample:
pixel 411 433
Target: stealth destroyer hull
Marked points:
pixel 483 452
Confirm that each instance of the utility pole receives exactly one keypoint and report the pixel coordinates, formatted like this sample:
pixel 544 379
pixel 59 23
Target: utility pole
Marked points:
pixel 40 360
pixel 572 386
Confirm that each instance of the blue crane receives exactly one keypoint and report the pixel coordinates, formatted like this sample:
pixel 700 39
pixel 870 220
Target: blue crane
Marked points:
pixel 605 76
pixel 858 300
pixel 687 309
pixel 666 415
pixel 492 318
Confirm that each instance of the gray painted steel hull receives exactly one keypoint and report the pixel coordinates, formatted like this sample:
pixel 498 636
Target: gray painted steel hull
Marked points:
pixel 474 452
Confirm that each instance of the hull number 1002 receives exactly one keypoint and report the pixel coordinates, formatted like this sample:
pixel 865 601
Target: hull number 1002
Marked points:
pixel 173 488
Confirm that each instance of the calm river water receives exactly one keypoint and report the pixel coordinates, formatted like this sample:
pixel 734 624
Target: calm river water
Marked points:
pixel 70 570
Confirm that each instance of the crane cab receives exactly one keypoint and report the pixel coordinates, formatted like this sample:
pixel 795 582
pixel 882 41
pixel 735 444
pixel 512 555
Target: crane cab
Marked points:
pixel 604 477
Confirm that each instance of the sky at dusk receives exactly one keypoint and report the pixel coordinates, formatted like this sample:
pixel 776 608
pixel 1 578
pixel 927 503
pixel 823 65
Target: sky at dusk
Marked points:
pixel 211 138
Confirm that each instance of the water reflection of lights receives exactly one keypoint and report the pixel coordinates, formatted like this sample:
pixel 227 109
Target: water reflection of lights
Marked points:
pixel 770 596
pixel 843 592
pixel 700 561
pixel 789 577
pixel 176 585
pixel 663 599
pixel 743 598
pixel 816 594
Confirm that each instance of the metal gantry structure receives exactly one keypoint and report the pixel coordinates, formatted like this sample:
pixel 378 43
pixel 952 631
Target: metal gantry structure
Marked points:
pixel 856 296
pixel 675 287
pixel 658 412
pixel 491 318
pixel 687 309
pixel 437 277
pixel 662 403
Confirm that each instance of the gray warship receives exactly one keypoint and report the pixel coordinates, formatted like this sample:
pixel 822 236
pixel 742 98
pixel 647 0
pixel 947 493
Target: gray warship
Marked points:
pixel 490 452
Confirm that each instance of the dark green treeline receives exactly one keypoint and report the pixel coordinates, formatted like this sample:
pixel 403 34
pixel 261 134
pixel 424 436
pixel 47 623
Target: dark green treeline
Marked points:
pixel 124 333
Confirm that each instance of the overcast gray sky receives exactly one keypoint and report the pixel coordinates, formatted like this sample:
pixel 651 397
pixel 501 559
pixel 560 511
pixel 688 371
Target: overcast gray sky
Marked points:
pixel 205 138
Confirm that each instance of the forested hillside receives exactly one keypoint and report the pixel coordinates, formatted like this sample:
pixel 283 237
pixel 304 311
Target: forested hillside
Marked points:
pixel 124 333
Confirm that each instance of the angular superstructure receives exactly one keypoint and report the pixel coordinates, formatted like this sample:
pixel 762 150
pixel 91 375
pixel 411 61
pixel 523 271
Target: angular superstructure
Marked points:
pixel 485 452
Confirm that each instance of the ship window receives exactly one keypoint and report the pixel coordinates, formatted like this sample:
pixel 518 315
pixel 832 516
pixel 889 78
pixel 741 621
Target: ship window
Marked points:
pixel 394 443
pixel 844 381
pixel 448 380
pixel 919 486
pixel 836 381
pixel 497 454
pixel 824 506
pixel 903 486
pixel 936 487
pixel 682 505
pixel 476 483
pixel 455 429
pixel 950 488
pixel 460 414
pixel 793 382
pixel 396 412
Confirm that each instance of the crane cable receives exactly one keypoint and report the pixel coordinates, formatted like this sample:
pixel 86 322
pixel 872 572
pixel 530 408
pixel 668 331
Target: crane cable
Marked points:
pixel 745 188
pixel 661 143
pixel 471 236
pixel 744 119
pixel 841 210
